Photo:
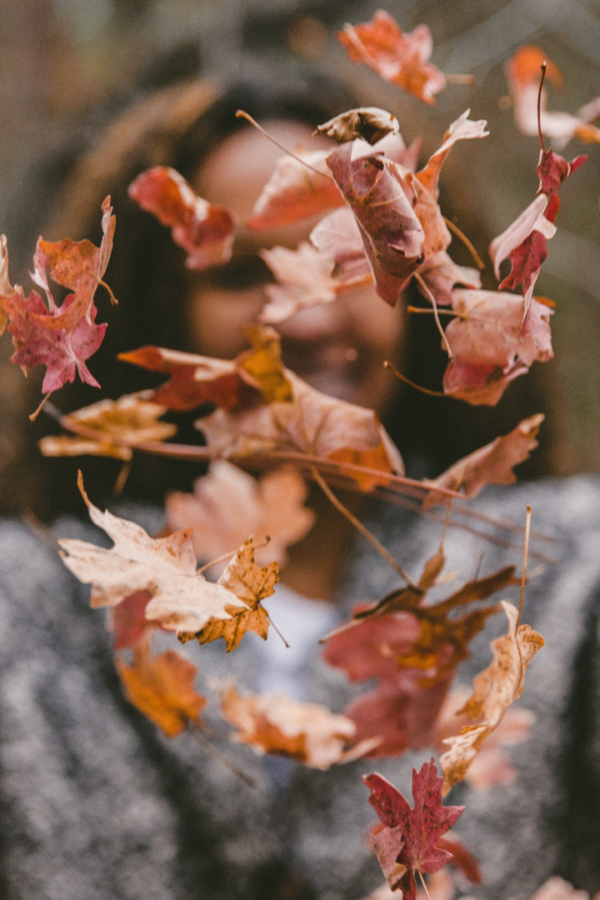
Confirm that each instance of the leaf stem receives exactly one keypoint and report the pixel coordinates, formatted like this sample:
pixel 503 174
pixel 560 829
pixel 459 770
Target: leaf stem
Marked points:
pixel 276 629
pixel 431 299
pixel 462 237
pixel 412 384
pixel 424 885
pixel 359 526
pixel 241 114
pixel 543 67
pixel 220 757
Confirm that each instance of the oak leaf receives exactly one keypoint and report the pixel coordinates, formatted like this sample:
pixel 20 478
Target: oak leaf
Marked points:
pixel 406 840
pixel 275 724
pixel 181 599
pixel 295 192
pixel 398 57
pixel 204 230
pixel 251 584
pixel 132 419
pixel 163 689
pixel 492 464
pixel 496 688
pixel 228 504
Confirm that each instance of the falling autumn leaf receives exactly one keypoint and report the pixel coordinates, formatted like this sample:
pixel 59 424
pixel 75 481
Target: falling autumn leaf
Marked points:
pixel 368 122
pixel 492 464
pixel 463 129
pixel 275 724
pixel 181 599
pixel 128 621
pixel 402 58
pixel 228 504
pixel 203 229
pixel 163 689
pixel 523 72
pixel 295 191
pixel 312 423
pixel 441 275
pixel 496 688
pixel 406 840
pixel 251 584
pixel 132 419
pixel 196 380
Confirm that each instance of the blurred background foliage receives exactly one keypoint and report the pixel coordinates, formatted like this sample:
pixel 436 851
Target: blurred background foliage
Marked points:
pixel 66 65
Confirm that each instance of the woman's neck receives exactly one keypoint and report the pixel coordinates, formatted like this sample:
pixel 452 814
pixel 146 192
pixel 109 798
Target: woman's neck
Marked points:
pixel 317 562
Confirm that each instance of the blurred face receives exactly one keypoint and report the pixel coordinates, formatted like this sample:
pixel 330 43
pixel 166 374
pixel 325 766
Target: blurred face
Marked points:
pixel 339 347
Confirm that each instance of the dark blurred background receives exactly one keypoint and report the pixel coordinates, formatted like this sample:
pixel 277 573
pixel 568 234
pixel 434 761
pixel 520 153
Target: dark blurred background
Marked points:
pixel 67 64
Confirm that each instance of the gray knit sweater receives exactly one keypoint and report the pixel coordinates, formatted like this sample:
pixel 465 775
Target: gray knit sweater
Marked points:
pixel 95 804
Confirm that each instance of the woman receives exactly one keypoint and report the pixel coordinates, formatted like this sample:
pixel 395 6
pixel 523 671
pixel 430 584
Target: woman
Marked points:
pixel 95 803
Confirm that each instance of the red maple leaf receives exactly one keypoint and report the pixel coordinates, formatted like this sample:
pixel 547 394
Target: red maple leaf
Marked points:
pixel 406 840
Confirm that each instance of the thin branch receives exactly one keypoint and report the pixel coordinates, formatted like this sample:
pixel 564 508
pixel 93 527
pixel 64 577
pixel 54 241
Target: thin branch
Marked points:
pixel 431 299
pixel 240 114
pixel 462 237
pixel 524 575
pixel 417 387
pixel 360 527
pixel 220 757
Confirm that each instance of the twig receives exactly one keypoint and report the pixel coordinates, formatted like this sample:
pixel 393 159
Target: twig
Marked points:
pixel 360 527
pixel 220 757
pixel 524 575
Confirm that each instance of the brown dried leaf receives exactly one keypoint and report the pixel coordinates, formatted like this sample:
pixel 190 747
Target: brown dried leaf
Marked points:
pixel 368 122
pixel 271 723
pixel 496 688
pixel 163 689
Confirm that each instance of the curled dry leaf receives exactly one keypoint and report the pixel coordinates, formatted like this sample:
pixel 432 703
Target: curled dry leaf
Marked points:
pixel 181 599
pixel 398 57
pixel 203 229
pixel 132 419
pixel 496 688
pixel 295 192
pixel 274 724
pixel 463 129
pixel 406 840
pixel 6 287
pixel 368 122
pixel 228 504
pixel 311 423
pixel 492 464
pixel 196 380
pixel 251 584
pixel 163 689
pixel 491 766
pixel 523 72
pixel 380 195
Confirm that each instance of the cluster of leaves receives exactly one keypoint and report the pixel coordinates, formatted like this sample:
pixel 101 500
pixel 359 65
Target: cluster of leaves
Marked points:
pixel 381 224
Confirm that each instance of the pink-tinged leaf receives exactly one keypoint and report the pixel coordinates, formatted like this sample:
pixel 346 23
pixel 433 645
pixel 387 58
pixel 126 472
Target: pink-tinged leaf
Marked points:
pixel 479 385
pixel 380 196
pixel 401 58
pixel 492 464
pixel 38 342
pixel 523 72
pixel 295 192
pixel 204 230
pixel 462 858
pixel 128 620
pixel 463 129
pixel 441 275
pixel 413 833
pixel 489 330
pixel 318 272
pixel 6 287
